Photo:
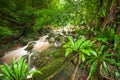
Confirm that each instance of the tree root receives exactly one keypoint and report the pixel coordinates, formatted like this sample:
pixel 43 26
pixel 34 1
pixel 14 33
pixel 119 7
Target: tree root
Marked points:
pixel 103 73
pixel 76 69
pixel 64 65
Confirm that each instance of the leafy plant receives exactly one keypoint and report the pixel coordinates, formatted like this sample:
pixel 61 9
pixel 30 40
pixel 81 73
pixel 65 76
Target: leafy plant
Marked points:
pixel 108 36
pixel 102 58
pixel 5 31
pixel 17 71
pixel 81 46
pixel 116 42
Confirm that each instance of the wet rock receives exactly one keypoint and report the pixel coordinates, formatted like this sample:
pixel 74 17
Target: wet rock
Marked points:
pixel 48 61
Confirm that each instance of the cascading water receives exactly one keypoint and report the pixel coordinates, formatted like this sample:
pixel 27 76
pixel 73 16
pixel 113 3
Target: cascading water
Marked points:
pixel 41 44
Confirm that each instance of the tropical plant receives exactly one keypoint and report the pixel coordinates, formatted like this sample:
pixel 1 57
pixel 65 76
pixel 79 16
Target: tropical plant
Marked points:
pixel 102 59
pixel 17 71
pixel 81 46
pixel 106 36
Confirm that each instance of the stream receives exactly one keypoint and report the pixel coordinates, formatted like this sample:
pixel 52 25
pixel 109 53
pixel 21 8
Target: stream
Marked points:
pixel 50 60
pixel 40 45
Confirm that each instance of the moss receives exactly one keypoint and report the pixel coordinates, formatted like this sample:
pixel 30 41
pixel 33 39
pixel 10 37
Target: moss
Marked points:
pixel 50 69
pixel 49 62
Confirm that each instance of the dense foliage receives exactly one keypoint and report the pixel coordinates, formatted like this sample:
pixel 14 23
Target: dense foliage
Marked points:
pixel 17 71
pixel 18 20
pixel 97 20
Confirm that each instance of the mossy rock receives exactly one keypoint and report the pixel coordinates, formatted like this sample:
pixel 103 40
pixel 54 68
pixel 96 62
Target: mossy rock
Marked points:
pixel 54 65
pixel 48 62
pixel 49 69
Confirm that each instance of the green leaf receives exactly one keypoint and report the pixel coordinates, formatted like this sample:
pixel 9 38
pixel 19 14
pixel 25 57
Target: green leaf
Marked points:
pixel 108 54
pixel 34 71
pixel 85 44
pixel 86 52
pixel 93 68
pixel 103 39
pixel 7 71
pixel 66 45
pixel 111 61
pixel 78 43
pixel 71 40
pixel 4 70
pixel 103 12
pixel 17 71
pixel 118 64
pixel 68 51
pixel 116 41
pixel 83 57
pixel 93 52
pixel 90 61
pixel 105 66
pixel 101 49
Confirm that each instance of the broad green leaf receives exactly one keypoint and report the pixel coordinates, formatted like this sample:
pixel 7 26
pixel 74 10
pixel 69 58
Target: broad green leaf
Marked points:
pixel 83 57
pixel 34 71
pixel 71 40
pixel 66 45
pixel 79 42
pixel 103 12
pixel 15 68
pixel 68 51
pixel 103 39
pixel 108 54
pixel 85 44
pixel 20 66
pixel 111 61
pixel 93 68
pixel 118 64
pixel 24 67
pixel 86 52
pixel 101 49
pixel 93 52
pixel 116 41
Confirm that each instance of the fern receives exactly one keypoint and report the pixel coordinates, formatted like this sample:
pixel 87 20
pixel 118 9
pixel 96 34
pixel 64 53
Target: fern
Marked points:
pixel 17 71
pixel 5 31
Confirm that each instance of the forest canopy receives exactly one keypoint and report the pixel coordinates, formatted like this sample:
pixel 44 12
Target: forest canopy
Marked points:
pixel 21 17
